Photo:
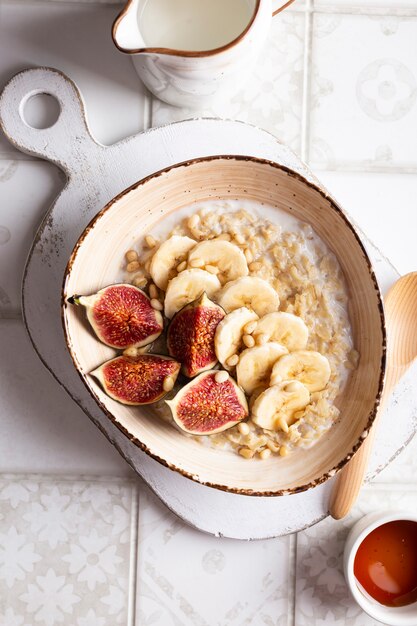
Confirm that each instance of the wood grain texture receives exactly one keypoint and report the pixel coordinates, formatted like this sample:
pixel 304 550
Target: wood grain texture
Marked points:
pixel 401 316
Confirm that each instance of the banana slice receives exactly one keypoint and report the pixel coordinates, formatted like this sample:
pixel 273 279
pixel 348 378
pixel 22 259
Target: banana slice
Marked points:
pixel 309 367
pixel 186 287
pixel 255 365
pixel 229 333
pixel 167 257
pixel 285 328
pixel 250 291
pixel 273 409
pixel 228 258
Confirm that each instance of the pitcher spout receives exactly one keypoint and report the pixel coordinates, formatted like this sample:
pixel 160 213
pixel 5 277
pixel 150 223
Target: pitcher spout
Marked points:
pixel 126 32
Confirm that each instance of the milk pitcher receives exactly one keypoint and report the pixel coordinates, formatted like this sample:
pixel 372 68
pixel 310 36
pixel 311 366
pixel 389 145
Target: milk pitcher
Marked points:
pixel 191 53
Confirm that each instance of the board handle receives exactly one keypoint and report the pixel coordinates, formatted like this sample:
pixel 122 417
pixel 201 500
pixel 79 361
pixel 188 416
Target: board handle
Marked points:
pixel 68 141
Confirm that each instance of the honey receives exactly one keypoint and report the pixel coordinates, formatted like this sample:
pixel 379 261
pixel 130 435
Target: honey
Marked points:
pixel 386 563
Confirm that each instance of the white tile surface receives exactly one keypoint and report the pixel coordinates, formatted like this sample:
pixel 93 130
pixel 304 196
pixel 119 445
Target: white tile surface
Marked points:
pixel 42 429
pixel 363 91
pixel 272 97
pixel 189 578
pixel 75 38
pixel 26 191
pixel 68 546
pixel 64 552
pixel 368 7
pixel 384 206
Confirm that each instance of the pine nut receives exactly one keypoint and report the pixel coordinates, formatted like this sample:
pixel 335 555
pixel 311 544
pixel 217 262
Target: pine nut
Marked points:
pixel 193 221
pixel 232 360
pixel 148 266
pixel 246 453
pixel 265 454
pixel 239 238
pixel 243 428
pixel 221 376
pixel 197 234
pixel 181 267
pixel 212 269
pixel 133 266
pixel 155 304
pixel 282 424
pixel 249 341
pixel 224 237
pixel 197 263
pixel 283 451
pixel 272 446
pixel 262 339
pixel 250 327
pixel 248 255
pixel 131 255
pixel 153 291
pixel 150 241
pixel 255 266
pixel 139 281
pixel 168 383
pixel 131 352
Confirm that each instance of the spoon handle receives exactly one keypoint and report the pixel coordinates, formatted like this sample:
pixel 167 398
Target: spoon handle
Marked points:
pixel 350 479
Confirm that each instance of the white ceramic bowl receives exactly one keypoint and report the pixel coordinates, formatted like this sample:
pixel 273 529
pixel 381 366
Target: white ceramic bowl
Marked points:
pixel 99 254
pixel 393 616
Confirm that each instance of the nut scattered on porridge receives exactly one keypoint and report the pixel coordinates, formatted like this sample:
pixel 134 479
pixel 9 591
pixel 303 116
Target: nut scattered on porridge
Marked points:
pixel 266 304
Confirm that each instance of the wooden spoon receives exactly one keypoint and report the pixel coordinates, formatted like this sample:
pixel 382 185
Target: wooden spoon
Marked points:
pixel 401 321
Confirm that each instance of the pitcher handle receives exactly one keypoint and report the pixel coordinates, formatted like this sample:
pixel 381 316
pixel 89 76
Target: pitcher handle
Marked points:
pixel 279 5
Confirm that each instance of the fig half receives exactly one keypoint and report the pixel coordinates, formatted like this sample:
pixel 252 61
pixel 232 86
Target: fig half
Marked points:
pixel 190 337
pixel 138 380
pixel 122 316
pixel 206 406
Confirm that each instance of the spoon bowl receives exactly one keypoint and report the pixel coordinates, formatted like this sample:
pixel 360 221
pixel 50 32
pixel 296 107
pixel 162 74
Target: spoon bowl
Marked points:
pixel 401 317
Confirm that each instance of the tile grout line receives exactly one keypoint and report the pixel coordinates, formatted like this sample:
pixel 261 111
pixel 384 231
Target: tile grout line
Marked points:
pixel 132 605
pixel 363 168
pixel 147 113
pixel 292 579
pixel 305 114
pixel 381 11
pixel 345 168
pixel 133 557
pixel 96 3
pixel 331 7
pixel 67 477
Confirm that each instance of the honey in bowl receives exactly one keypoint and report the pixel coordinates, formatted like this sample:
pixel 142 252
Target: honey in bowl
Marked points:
pixel 386 563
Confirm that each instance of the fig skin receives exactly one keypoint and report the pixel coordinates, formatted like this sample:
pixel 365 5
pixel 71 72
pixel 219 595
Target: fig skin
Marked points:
pixel 121 316
pixel 138 380
pixel 206 407
pixel 190 336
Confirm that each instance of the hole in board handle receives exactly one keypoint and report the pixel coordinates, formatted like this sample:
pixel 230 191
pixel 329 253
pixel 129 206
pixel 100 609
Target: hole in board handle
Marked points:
pixel 41 111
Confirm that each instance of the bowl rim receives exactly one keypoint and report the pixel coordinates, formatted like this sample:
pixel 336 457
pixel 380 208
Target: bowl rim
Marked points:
pixel 382 365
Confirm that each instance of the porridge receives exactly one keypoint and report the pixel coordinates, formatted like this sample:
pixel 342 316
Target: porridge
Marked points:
pixel 283 334
pixel 232 322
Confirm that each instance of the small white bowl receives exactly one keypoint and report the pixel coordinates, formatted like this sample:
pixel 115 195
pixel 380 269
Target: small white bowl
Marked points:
pixel 392 616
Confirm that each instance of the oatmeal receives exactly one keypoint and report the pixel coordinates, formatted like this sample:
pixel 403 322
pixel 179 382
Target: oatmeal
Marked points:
pixel 285 336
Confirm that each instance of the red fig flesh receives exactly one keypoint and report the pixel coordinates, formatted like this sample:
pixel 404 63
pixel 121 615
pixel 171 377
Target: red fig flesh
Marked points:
pixel 191 333
pixel 205 406
pixel 138 380
pixel 122 316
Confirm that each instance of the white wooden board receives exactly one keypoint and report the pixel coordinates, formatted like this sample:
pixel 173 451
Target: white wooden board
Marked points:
pixel 96 173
